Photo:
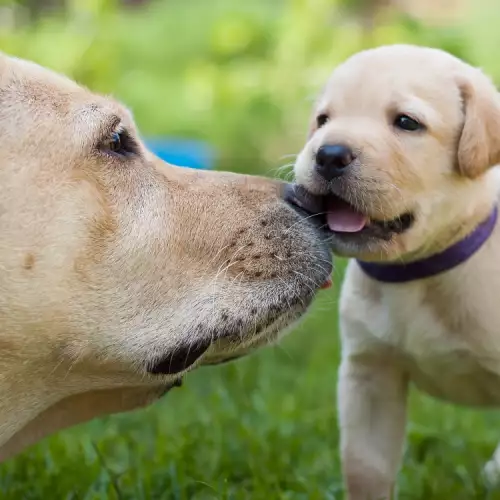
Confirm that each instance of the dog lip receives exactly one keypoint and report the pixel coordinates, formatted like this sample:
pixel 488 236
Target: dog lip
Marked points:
pixel 298 195
pixel 398 225
pixel 223 361
pixel 316 205
pixel 179 360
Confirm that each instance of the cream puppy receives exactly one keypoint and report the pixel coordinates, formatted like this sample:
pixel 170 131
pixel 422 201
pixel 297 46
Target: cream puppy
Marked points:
pixel 118 272
pixel 401 151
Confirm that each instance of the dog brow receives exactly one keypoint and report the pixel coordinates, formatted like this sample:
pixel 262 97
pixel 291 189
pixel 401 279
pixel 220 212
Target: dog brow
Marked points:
pixel 94 122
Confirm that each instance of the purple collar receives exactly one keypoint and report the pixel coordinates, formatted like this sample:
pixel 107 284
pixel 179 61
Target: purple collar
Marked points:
pixel 435 264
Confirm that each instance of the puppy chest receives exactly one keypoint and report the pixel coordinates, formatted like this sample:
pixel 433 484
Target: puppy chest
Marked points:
pixel 446 360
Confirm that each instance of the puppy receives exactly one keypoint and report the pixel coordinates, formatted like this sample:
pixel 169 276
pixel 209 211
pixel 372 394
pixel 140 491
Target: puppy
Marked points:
pixel 401 152
pixel 118 272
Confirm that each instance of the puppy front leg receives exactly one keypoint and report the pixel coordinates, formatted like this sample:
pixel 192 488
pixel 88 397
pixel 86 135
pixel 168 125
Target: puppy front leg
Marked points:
pixel 372 416
pixel 491 470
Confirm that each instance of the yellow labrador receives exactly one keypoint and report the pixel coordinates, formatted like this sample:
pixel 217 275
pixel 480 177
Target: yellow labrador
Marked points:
pixel 402 147
pixel 118 272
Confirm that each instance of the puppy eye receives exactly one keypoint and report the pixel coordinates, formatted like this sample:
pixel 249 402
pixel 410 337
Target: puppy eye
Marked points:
pixel 119 143
pixel 321 120
pixel 404 122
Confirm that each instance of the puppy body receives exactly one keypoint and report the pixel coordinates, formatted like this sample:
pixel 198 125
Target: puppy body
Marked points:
pixel 439 334
pixel 408 190
pixel 118 272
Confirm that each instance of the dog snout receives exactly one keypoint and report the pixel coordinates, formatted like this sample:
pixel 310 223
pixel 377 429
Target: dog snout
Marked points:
pixel 332 160
pixel 303 201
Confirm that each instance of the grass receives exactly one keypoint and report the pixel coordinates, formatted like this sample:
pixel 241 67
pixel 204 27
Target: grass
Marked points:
pixel 262 428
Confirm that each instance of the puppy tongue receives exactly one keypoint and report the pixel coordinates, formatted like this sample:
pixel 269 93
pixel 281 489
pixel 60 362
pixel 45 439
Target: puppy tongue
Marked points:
pixel 344 218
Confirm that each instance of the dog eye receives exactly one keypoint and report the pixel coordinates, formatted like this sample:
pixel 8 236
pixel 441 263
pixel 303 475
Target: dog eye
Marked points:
pixel 404 122
pixel 115 143
pixel 321 120
pixel 119 143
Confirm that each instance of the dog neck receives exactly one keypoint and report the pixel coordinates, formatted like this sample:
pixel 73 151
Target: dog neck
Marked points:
pixel 42 405
pixel 437 263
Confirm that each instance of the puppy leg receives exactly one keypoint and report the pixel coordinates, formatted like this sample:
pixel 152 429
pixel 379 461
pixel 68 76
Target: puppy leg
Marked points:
pixel 491 470
pixel 372 397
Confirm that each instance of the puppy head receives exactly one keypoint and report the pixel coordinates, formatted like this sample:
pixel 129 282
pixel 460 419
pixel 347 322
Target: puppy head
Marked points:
pixel 117 267
pixel 401 143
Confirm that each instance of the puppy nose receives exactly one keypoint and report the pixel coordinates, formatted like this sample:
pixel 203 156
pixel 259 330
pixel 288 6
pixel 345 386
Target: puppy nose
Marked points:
pixel 332 159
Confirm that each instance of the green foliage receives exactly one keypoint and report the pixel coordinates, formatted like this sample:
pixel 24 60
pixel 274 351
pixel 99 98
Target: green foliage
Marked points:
pixel 239 74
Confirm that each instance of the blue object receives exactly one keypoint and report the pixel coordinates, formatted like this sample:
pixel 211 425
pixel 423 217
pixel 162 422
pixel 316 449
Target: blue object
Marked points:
pixel 183 152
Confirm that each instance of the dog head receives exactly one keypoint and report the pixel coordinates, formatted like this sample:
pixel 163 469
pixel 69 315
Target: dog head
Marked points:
pixel 119 269
pixel 401 144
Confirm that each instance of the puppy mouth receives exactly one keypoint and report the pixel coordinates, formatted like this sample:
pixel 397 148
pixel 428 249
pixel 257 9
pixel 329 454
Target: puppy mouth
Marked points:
pixel 343 217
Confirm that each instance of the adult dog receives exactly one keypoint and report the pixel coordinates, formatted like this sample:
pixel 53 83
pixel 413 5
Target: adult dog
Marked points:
pixel 118 272
pixel 401 152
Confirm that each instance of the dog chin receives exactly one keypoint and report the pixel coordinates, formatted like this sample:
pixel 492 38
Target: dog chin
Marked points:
pixel 220 347
pixel 227 350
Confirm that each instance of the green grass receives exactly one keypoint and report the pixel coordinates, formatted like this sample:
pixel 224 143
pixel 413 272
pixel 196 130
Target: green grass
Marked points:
pixel 262 428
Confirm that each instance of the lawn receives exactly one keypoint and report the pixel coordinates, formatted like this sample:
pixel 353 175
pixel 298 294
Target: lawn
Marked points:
pixel 262 428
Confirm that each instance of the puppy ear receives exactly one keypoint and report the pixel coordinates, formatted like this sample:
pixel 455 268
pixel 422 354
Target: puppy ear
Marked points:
pixel 479 143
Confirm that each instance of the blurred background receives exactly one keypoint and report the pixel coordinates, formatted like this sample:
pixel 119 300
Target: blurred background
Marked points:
pixel 238 74
pixel 240 77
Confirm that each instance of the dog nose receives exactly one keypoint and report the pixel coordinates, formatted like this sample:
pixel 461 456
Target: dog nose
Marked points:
pixel 332 159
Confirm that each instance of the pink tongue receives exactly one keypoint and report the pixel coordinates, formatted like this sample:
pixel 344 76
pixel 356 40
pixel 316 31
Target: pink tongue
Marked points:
pixel 343 218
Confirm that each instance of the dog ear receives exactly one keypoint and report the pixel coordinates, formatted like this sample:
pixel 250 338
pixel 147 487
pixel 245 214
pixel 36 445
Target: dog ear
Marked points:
pixel 479 143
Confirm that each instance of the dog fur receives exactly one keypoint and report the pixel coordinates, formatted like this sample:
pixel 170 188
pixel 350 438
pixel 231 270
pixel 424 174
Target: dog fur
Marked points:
pixel 440 334
pixel 119 272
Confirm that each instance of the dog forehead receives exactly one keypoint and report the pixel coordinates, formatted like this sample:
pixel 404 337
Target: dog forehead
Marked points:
pixel 387 76
pixel 32 94
pixel 25 82
pixel 407 57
